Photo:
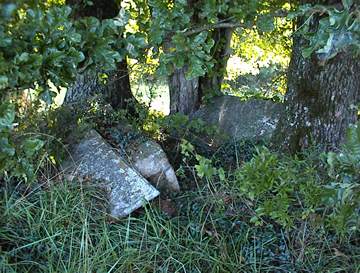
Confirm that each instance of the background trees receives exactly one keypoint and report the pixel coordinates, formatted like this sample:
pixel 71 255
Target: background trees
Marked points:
pixel 48 44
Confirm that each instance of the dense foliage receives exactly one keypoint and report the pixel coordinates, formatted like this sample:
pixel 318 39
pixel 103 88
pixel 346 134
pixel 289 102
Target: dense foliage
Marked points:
pixel 338 29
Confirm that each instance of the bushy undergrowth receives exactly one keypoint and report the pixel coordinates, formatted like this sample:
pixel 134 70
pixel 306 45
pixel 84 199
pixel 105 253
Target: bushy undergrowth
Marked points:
pixel 320 189
pixel 290 191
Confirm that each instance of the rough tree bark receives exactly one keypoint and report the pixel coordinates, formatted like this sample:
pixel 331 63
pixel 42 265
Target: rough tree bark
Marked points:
pixel 118 90
pixel 184 93
pixel 320 101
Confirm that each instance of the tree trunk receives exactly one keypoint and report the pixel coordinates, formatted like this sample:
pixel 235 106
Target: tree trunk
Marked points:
pixel 117 91
pixel 186 95
pixel 320 101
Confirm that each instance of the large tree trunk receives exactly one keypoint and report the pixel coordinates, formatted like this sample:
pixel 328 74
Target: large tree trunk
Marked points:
pixel 117 91
pixel 320 101
pixel 186 95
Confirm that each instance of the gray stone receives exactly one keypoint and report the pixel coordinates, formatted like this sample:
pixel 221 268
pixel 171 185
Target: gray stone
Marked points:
pixel 147 157
pixel 92 157
pixel 254 119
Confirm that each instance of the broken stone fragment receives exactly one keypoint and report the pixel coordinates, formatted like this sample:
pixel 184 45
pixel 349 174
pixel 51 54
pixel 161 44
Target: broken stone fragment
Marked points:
pixel 92 157
pixel 146 156
pixel 151 161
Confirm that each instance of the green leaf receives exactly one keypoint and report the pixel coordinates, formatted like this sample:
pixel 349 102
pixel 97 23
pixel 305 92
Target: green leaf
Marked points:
pixel 327 47
pixel 221 174
pixel 306 52
pixel 75 38
pixel 24 57
pixel 265 23
pixel 6 149
pixel 4 82
pixel 7 10
pixel 179 61
pixel 123 18
pixel 5 41
pixel 156 36
pixel 46 95
pixel 199 39
pixel 7 116
pixel 196 68
pixel 31 146
pixel 347 4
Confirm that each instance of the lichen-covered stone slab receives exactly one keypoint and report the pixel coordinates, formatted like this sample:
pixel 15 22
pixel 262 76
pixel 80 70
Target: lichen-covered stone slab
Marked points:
pixel 254 119
pixel 94 158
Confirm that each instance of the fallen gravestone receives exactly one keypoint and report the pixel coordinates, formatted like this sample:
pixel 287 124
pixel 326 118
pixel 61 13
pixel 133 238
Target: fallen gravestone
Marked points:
pixel 254 119
pixel 92 157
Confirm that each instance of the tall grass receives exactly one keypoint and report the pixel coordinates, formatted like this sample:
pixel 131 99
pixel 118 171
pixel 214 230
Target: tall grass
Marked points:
pixel 65 228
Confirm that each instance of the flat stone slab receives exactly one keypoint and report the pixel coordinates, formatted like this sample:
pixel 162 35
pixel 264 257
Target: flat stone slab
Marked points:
pixel 93 157
pixel 254 119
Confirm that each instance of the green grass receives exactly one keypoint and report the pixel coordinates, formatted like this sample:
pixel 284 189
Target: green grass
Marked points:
pixel 64 228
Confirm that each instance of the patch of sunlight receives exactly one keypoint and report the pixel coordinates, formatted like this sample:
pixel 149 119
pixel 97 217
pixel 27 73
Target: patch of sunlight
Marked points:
pixel 59 98
pixel 237 66
pixel 156 96
pixel 147 87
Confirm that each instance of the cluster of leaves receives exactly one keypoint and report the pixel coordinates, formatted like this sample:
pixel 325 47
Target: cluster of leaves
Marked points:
pixel 272 185
pixel 258 45
pixel 180 33
pixel 344 173
pixel 18 155
pixel 338 28
pixel 39 46
pixel 269 83
pixel 204 167
pixel 42 46
pixel 192 51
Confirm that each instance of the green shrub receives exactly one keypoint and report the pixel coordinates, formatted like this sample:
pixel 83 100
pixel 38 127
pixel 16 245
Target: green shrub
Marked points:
pixel 284 189
pixel 19 154
pixel 344 177
pixel 290 189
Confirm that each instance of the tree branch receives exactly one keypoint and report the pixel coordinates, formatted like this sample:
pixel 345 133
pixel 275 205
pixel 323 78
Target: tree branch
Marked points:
pixel 214 26
pixel 225 24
